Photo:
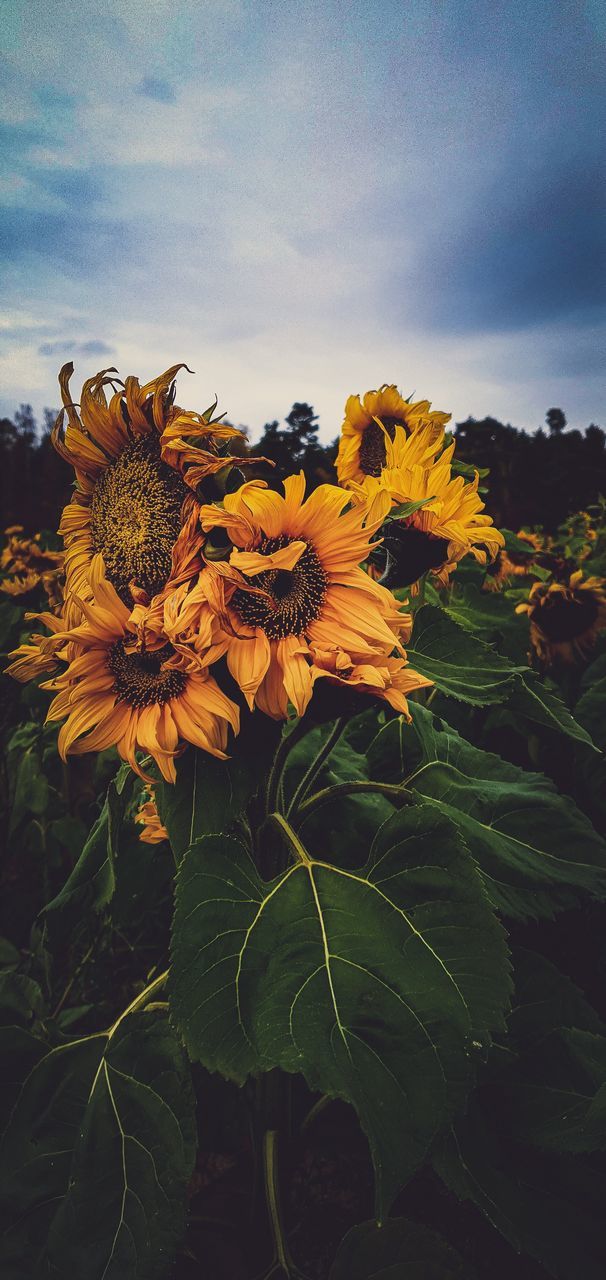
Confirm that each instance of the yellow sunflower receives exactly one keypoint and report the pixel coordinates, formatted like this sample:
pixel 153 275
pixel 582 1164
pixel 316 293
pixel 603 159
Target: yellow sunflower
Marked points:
pixel 291 591
pixel 565 617
pixel 153 831
pixel 450 523
pixel 371 423
pixel 27 565
pixel 40 654
pixel 137 459
pixel 115 693
pixel 389 678
pixel 509 564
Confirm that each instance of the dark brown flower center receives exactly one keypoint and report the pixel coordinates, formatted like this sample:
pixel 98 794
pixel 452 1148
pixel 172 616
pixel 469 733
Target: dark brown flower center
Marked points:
pixel 373 454
pixel 294 596
pixel 136 517
pixel 140 678
pixel 412 552
pixel 562 617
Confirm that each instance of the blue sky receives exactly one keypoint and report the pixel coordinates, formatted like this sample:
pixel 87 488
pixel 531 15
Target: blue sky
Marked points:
pixel 306 199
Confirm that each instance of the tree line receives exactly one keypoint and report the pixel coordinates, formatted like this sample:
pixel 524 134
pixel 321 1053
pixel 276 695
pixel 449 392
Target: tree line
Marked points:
pixel 534 477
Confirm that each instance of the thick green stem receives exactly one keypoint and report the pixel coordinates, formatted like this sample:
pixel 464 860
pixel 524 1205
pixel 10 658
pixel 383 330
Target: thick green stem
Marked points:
pixel 272 1196
pixel 275 775
pixel 394 791
pixel 290 837
pixel 316 765
pixel 141 1000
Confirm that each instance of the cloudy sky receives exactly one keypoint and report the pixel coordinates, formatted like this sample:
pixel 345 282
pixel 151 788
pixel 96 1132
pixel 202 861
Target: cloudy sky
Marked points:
pixel 307 198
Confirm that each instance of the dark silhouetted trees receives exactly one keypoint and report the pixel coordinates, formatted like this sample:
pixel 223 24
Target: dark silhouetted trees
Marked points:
pixel 35 483
pixel 535 478
pixel 296 447
pixel 556 420
pixel 538 478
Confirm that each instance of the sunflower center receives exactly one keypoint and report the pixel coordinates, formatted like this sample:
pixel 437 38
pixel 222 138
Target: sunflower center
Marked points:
pixel 294 596
pixel 373 455
pixel 415 551
pixel 136 517
pixel 140 678
pixel 564 617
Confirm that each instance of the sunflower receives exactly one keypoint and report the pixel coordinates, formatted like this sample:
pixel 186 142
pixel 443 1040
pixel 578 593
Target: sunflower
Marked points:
pixel 153 830
pixel 116 693
pixel 291 590
pixel 138 460
pixel 449 521
pixel 371 423
pixel 509 564
pixel 40 654
pixel 28 565
pixel 386 677
pixel 565 617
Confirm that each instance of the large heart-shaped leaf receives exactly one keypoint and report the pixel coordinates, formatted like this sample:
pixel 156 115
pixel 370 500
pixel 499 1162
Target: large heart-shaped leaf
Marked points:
pixel 548 1206
pixel 96 1157
pixel 460 665
pixel 537 852
pixel 375 984
pixel 398 1250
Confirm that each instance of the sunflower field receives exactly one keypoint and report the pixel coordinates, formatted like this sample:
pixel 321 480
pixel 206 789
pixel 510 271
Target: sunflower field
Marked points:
pixel 303 928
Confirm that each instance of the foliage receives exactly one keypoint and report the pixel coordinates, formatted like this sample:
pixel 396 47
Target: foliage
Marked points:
pixel 348 1019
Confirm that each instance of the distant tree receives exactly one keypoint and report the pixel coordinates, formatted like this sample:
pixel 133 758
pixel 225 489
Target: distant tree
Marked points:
pixel 556 420
pixel 296 447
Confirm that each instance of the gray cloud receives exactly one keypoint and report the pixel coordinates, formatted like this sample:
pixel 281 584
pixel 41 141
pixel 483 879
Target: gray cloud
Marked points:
pixel 93 347
pixel 156 88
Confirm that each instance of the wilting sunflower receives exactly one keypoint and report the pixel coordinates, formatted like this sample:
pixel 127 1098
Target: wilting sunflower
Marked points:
pixel 371 423
pixel 383 677
pixel 509 564
pixel 114 693
pixel 450 522
pixel 138 459
pixel 28 565
pixel 40 654
pixel 565 617
pixel 153 831
pixel 291 591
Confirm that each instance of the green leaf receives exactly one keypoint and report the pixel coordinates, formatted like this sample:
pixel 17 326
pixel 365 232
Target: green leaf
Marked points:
pixel 10 615
pixel 555 1095
pixel 92 882
pixel 32 791
pixel 406 509
pixel 548 1206
pixel 20 1050
pixel 21 999
pixel 398 1250
pixel 490 616
pixel 537 852
pixel 379 985
pixel 591 711
pixel 210 795
pixel 97 1156
pixel 544 1000
pixel 533 701
pixel 518 545
pixel 461 666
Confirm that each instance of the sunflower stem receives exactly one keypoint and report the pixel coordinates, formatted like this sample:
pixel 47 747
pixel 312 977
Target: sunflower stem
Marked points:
pixel 290 837
pixel 140 1001
pixel 316 765
pixel 288 742
pixel 272 1195
pixel 394 791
